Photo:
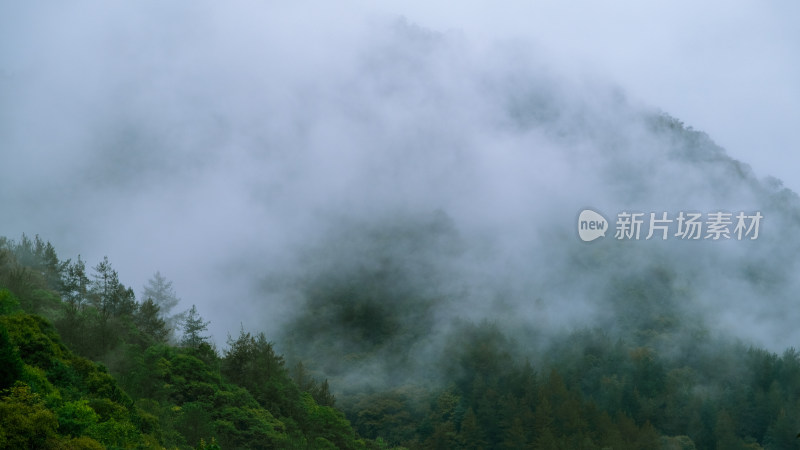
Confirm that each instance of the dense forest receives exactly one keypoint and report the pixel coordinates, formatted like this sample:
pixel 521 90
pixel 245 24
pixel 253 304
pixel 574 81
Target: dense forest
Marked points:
pixel 85 364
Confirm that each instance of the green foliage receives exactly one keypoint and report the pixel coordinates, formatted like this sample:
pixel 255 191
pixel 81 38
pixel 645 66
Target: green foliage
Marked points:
pixel 10 362
pixel 194 422
pixel 149 322
pixel 110 297
pixel 251 362
pixel 8 302
pixel 194 404
pixel 210 446
pixel 26 421
pixel 178 396
pixel 83 443
pixel 326 424
pixel 80 396
pixel 76 417
pixel 319 391
pixel 75 285
pixel 596 393
pixel 40 257
pixel 648 387
pixel 471 433
pixel 193 327
pixel 387 415
pixel 252 427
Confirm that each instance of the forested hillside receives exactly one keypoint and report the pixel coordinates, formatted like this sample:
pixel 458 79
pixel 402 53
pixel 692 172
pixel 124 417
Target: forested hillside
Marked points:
pixel 83 364
pixel 368 218
pixel 87 365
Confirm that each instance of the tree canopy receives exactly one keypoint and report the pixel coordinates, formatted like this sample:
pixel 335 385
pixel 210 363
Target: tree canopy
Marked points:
pixel 84 364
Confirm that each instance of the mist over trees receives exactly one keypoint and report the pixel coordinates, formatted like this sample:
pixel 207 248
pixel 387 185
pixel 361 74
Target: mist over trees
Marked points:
pixel 405 335
pixel 380 217
pixel 160 291
pixel 659 380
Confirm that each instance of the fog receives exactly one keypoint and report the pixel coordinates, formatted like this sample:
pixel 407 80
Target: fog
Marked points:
pixel 266 159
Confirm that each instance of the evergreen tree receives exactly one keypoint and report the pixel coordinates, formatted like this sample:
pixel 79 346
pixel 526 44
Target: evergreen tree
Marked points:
pixel 160 290
pixel 472 436
pixel 251 362
pixel 148 319
pixel 75 285
pixel 193 327
pixel 41 257
pixel 319 391
pixel 102 297
pixel 24 251
pixel 515 436
pixel 105 288
pixel 124 301
pixel 48 263
pixel 74 291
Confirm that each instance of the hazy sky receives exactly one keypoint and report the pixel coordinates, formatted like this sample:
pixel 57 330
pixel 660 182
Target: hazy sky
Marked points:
pixel 211 140
pixel 729 68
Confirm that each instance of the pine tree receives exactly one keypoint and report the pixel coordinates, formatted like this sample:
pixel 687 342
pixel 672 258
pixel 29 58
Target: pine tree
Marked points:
pixel 193 326
pixel 515 436
pixel 160 290
pixel 322 394
pixel 148 319
pixel 104 295
pixel 319 391
pixel 105 287
pixel 124 301
pixel 472 435
pixel 75 285
pixel 252 363
pixel 52 269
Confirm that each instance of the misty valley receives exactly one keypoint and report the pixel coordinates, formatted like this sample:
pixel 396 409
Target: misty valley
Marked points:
pixel 376 358
pixel 364 233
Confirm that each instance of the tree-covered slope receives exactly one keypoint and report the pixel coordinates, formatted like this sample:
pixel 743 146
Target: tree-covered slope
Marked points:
pixel 144 391
pixel 52 397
